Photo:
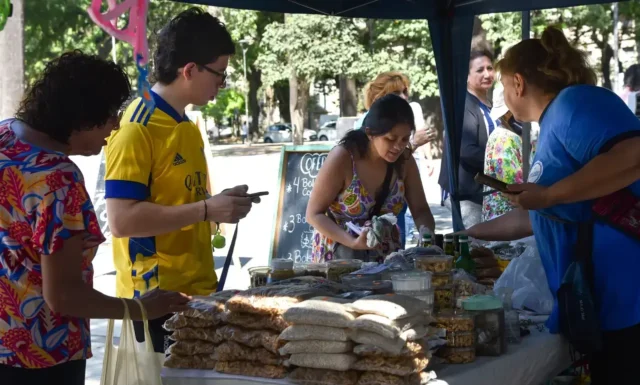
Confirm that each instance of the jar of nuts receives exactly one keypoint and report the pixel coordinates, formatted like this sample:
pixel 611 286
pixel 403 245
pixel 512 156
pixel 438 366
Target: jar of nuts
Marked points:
pixel 443 297
pixel 461 339
pixel 455 321
pixel 434 263
pixel 457 355
pixel 441 279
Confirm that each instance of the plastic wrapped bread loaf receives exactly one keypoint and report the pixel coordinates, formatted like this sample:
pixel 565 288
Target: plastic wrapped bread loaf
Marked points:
pixel 251 369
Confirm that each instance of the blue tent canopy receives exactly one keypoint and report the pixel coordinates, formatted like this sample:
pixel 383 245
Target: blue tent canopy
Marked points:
pixel 450 24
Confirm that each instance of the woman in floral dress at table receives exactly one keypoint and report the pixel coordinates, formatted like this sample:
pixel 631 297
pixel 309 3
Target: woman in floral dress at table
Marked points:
pixel 352 179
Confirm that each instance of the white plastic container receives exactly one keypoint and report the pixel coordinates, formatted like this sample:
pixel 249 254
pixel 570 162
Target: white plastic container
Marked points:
pixel 411 281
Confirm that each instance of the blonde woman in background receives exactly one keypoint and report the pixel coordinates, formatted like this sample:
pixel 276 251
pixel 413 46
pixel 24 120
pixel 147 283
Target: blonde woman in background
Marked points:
pixel 397 83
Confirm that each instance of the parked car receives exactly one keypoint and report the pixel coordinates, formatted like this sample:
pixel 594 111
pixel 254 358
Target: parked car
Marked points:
pixel 328 131
pixel 282 132
pixel 220 132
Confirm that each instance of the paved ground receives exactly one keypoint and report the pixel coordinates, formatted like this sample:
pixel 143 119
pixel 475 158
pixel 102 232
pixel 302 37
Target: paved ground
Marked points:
pixel 257 166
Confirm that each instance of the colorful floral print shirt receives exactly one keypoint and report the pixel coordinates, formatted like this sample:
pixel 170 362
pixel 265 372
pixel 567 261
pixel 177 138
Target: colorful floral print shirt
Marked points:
pixel 503 161
pixel 354 205
pixel 43 201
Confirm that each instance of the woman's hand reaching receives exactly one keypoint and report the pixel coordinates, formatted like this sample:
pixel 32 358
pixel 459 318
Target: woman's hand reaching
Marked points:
pixel 360 243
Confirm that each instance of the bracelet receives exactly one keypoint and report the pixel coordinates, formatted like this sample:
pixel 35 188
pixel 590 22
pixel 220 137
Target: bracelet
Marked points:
pixel 205 210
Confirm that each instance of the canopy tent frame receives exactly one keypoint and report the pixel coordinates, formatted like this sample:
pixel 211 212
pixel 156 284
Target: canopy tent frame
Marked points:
pixel 450 25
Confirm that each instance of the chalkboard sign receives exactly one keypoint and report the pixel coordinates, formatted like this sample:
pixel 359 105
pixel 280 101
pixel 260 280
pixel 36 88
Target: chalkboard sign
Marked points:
pixel 299 167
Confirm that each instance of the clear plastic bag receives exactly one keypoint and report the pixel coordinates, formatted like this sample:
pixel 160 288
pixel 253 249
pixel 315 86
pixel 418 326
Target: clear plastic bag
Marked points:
pixel 180 321
pixel 185 348
pixel 251 369
pixel 318 312
pixel 381 229
pixel 399 366
pixel 201 334
pixel 316 346
pixel 191 361
pixel 267 339
pixel 232 351
pixel 255 321
pixel 310 376
pixel 314 332
pixel 340 362
pixel 526 276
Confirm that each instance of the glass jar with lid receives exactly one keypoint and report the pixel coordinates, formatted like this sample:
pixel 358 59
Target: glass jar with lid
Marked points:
pixel 259 275
pixel 339 267
pixel 489 324
pixel 281 269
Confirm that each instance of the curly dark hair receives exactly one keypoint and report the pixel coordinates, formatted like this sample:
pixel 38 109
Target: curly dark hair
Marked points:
pixel 76 92
pixel 193 36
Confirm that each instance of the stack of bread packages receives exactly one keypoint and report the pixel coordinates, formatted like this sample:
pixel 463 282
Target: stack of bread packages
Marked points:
pixel 195 333
pixel 252 323
pixel 390 331
pixel 318 344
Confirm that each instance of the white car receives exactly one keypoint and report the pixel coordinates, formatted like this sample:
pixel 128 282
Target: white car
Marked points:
pixel 328 131
pixel 282 133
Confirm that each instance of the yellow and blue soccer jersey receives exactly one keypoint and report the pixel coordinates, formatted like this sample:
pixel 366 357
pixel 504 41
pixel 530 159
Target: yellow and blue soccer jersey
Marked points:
pixel 158 156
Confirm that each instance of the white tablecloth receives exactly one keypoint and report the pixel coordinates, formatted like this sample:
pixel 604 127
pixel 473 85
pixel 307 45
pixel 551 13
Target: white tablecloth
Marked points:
pixel 539 357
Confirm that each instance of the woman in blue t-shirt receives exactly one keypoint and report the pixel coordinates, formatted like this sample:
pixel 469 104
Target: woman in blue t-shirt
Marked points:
pixel 587 149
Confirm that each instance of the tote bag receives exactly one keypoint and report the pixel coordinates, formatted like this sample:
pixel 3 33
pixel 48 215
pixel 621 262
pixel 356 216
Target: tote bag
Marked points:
pixel 129 364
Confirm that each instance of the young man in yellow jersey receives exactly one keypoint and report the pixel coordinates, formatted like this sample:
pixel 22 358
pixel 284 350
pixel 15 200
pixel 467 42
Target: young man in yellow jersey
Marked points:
pixel 158 206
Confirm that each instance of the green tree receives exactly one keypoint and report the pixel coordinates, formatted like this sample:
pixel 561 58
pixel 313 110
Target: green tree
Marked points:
pixel 405 45
pixel 248 26
pixel 228 105
pixel 54 27
pixel 304 48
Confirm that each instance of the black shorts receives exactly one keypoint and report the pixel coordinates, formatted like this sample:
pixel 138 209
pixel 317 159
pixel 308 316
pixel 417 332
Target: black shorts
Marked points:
pixel 159 336
pixel 68 373
pixel 616 363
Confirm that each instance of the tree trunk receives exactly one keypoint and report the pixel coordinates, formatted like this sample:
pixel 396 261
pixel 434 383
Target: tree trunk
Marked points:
pixel 281 92
pixel 298 102
pixel 12 53
pixel 348 97
pixel 255 82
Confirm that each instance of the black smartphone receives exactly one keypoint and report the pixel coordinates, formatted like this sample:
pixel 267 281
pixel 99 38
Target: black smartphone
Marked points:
pixel 492 182
pixel 258 194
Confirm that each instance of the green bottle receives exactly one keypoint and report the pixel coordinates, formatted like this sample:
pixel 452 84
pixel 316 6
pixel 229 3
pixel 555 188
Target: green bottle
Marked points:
pixel 464 261
pixel 426 240
pixel 449 247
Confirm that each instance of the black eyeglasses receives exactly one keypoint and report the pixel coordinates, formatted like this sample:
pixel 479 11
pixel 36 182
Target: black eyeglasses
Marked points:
pixel 223 75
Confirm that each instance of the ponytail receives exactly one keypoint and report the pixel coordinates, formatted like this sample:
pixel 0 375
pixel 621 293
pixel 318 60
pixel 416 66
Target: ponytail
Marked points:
pixel 549 63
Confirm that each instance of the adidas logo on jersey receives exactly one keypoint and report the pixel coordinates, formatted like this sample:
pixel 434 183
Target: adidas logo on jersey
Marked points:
pixel 178 160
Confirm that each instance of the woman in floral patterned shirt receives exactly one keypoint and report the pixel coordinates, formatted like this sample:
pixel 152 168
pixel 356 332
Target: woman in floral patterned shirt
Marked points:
pixel 48 228
pixel 503 157
pixel 352 177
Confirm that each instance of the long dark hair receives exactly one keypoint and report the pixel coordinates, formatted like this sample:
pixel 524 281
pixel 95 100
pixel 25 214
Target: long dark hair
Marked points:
pixel 384 114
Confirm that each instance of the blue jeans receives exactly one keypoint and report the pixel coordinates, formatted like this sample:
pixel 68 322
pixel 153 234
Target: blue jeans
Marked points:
pixel 402 225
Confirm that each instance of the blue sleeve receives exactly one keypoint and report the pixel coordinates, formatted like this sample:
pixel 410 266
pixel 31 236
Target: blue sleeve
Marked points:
pixel 598 120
